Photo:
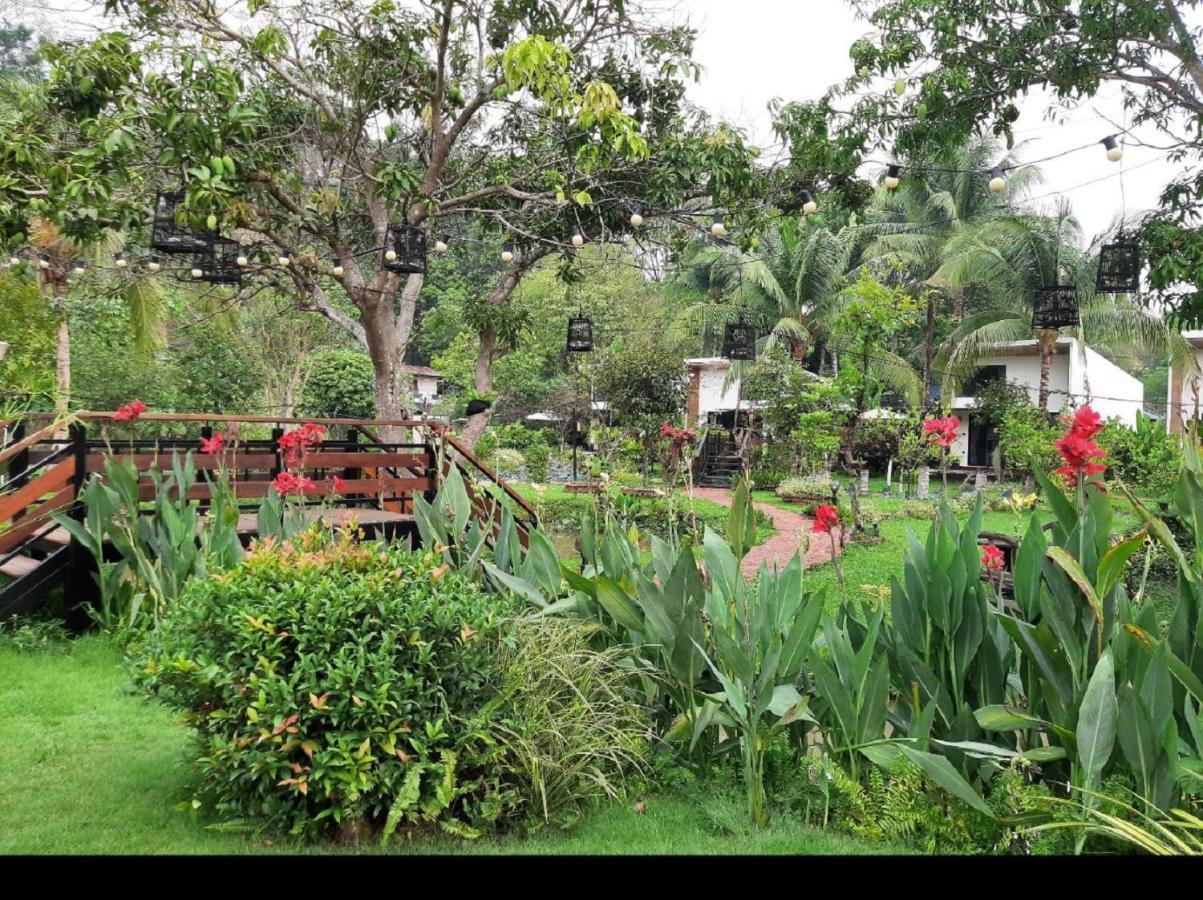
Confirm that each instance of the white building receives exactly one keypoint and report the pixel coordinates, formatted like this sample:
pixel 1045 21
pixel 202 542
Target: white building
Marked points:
pixel 1186 388
pixel 1074 375
pixel 708 390
pixel 428 384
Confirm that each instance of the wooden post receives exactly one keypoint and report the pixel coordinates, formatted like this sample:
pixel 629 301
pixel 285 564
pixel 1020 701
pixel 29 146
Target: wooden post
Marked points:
pixel 277 433
pixel 924 482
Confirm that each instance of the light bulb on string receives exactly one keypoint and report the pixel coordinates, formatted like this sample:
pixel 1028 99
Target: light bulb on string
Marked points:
pixel 119 261
pixel 998 181
pixel 440 244
pixel 338 270
pixel 578 239
pixel 507 253
pixel 153 264
pixel 79 267
pixel 891 180
pixel 717 227
pixel 43 261
pixel 1114 151
pixel 809 207
pixel 390 255
pixel 637 216
pixel 242 260
pixel 14 260
pixel 284 259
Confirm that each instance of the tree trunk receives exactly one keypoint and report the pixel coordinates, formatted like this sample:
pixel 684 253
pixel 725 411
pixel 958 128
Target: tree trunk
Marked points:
pixel 1047 343
pixel 62 367
pixel 958 307
pixel 482 381
pixel 929 349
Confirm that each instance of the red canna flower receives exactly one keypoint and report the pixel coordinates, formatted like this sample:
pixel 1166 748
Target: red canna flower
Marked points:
pixel 1078 449
pixel 992 558
pixel 297 442
pixel 214 444
pixel 287 484
pixel 129 412
pixel 340 486
pixel 942 432
pixel 826 518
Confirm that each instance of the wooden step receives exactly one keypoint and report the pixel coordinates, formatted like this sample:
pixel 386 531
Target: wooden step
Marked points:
pixel 52 540
pixel 19 566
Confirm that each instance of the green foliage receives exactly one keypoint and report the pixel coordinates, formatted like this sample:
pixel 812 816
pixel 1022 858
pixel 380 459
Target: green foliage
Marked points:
pixel 1026 436
pixel 814 489
pixel 339 385
pixel 1146 458
pixel 337 684
pixel 27 325
pixel 538 460
pixel 157 553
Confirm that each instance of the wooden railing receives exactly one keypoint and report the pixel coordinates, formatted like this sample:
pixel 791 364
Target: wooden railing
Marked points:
pixel 36 489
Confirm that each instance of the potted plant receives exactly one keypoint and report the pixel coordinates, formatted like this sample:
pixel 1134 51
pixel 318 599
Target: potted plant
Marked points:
pixel 479 401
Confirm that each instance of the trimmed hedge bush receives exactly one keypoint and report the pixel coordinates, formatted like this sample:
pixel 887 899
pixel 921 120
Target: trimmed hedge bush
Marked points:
pixel 330 683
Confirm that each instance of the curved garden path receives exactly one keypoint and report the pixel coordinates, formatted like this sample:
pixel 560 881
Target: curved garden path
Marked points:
pixel 790 528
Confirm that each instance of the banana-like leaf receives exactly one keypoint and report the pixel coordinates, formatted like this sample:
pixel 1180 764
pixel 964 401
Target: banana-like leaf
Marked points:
pixel 941 771
pixel 1097 721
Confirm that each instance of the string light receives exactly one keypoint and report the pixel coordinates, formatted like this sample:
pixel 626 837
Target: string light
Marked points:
pixel 153 264
pixel 338 270
pixel 1114 151
pixel 242 261
pixel 578 239
pixel 507 253
pixel 390 254
pixel 809 207
pixel 43 261
pixel 637 216
pixel 998 181
pixel 119 261
pixel 198 273
pixel 284 259
pixel 891 179
pixel 717 228
pixel 79 268
pixel 440 244
pixel 14 260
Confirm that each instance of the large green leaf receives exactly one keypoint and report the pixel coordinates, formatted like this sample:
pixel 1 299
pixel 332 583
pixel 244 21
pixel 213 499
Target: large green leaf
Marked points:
pixel 941 771
pixel 1097 721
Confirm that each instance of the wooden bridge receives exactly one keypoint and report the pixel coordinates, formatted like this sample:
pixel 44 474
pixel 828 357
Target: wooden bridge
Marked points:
pixel 42 473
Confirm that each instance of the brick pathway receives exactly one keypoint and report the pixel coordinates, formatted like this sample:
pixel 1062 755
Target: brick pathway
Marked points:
pixel 790 528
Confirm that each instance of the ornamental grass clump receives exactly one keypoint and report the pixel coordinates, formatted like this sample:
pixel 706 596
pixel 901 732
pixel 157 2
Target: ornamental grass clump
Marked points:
pixel 334 685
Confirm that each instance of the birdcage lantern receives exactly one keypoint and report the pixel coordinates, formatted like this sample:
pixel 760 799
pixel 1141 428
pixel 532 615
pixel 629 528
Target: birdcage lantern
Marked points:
pixel 219 265
pixel 580 334
pixel 169 234
pixel 405 249
pixel 1119 268
pixel 1055 307
pixel 739 341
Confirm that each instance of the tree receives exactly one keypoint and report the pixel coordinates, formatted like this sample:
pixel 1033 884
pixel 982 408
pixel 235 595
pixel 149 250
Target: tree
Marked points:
pixel 307 129
pixel 645 387
pixel 974 59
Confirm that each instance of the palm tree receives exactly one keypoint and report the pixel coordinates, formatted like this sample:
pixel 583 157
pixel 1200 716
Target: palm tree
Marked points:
pixel 1006 261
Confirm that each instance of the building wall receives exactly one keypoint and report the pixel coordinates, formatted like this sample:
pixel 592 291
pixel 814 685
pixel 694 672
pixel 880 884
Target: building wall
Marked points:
pixel 1184 385
pixel 427 386
pixel 711 396
pixel 1114 394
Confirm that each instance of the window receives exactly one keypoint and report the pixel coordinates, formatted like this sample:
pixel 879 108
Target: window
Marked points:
pixel 981 378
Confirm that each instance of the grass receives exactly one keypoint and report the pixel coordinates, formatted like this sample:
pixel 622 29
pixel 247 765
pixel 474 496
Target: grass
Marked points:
pixel 91 768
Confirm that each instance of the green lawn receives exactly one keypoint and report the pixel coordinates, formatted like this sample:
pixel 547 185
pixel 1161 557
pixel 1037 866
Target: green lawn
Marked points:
pixel 91 768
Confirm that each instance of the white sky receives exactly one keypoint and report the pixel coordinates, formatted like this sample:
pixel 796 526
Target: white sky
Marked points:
pixel 754 50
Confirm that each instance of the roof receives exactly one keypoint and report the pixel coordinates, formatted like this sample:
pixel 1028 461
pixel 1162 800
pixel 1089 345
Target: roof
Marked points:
pixel 708 362
pixel 1029 347
pixel 1195 338
pixel 419 370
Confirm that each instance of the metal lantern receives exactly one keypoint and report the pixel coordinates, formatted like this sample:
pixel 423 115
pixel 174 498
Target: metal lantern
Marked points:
pixel 168 235
pixel 1119 268
pixel 739 341
pixel 580 335
pixel 405 249
pixel 220 264
pixel 1055 307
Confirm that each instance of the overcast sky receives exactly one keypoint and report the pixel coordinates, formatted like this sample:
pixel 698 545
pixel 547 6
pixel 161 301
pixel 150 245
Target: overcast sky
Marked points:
pixel 755 50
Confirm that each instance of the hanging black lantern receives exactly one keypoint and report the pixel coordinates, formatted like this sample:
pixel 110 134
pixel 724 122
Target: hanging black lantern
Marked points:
pixel 220 265
pixel 1055 307
pixel 168 235
pixel 739 341
pixel 405 249
pixel 580 335
pixel 1119 268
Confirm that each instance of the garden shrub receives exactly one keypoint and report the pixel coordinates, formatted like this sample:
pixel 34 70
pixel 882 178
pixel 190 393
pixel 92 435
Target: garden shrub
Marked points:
pixel 508 461
pixel 331 682
pixel 807 489
pixel 568 717
pixel 1146 458
pixel 339 386
pixel 538 462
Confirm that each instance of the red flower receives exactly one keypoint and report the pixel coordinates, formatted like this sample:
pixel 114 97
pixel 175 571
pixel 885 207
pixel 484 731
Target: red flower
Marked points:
pixel 297 442
pixel 287 484
pixel 340 486
pixel 942 432
pixel 1078 449
pixel 992 558
pixel 129 412
pixel 826 518
pixel 214 444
